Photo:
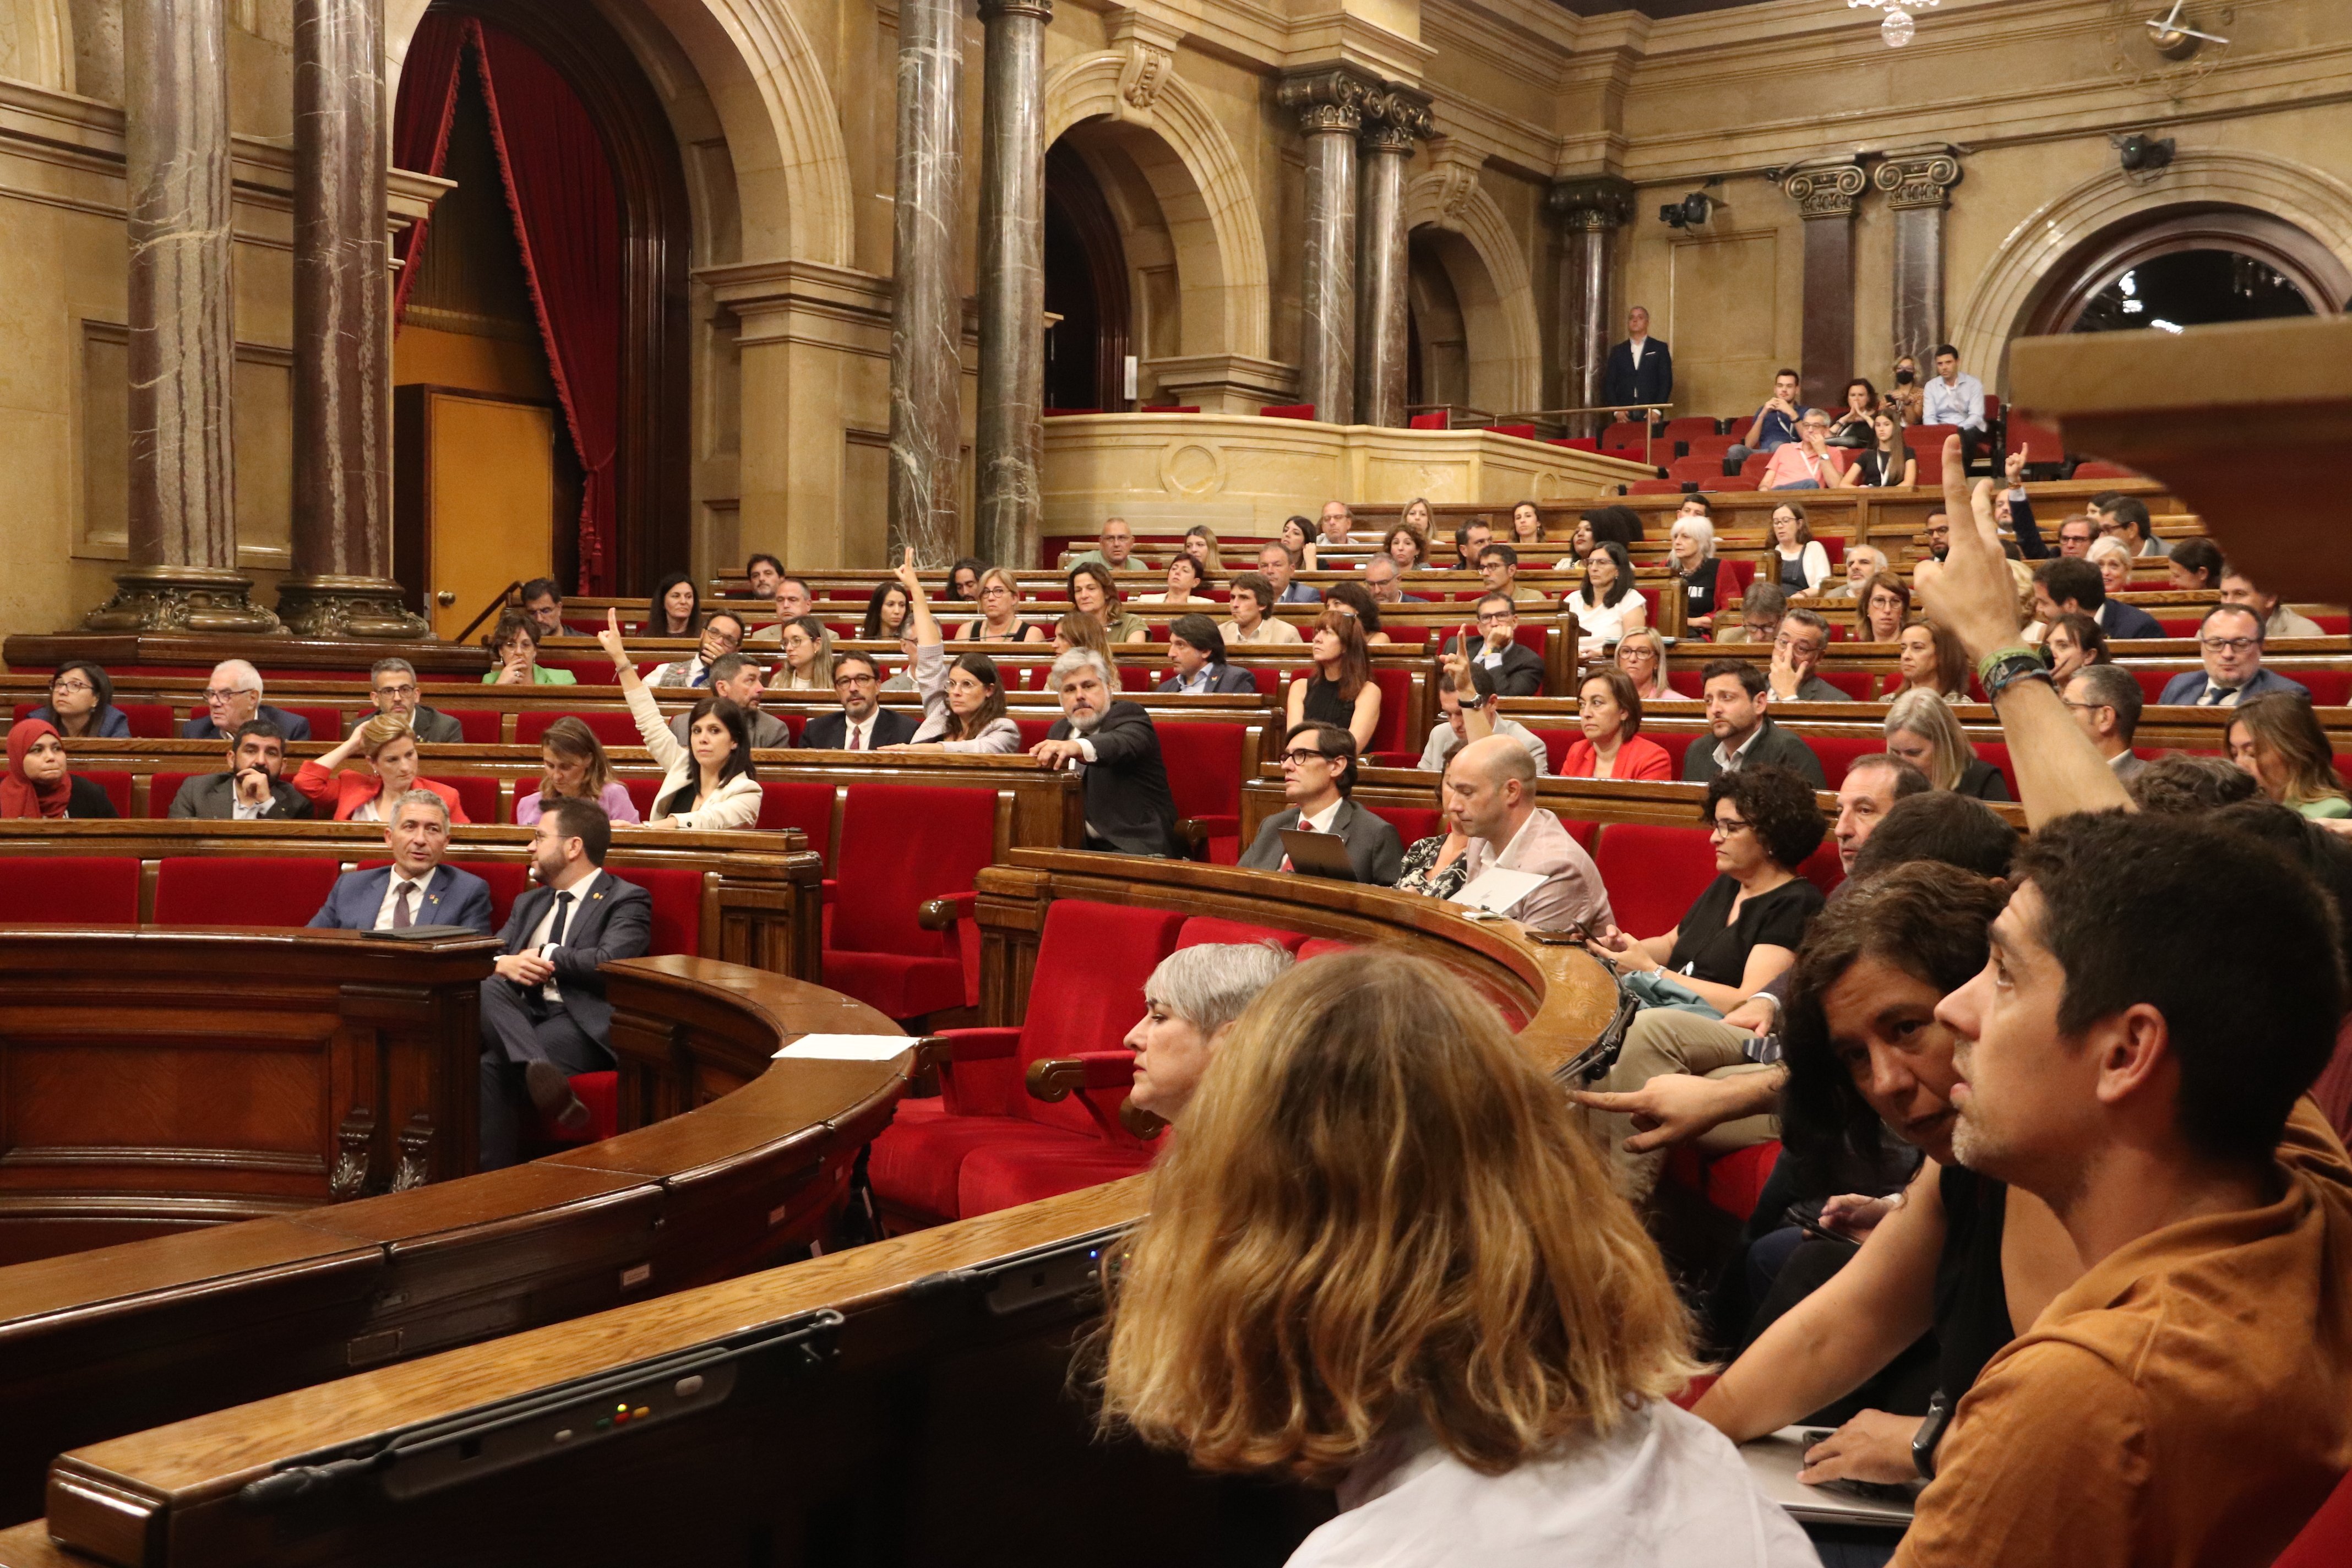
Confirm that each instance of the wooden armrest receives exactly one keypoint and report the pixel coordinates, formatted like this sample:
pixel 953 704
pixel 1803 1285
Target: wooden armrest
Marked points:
pixel 1055 1077
pixel 1140 1122
pixel 955 1045
pixel 1192 833
pixel 939 915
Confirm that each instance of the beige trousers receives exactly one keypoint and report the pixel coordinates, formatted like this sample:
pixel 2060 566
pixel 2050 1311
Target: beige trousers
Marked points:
pixel 1663 1040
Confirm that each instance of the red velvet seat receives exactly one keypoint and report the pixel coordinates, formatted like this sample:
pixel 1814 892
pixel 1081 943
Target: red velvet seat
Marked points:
pixel 1996 753
pixel 612 726
pixel 1837 752
pixel 1524 432
pixel 67 889
pixel 151 721
pixel 326 723
pixel 1396 693
pixel 164 788
pixel 508 880
pixel 678 896
pixel 1204 775
pixel 244 890
pixel 1657 486
pixel 1694 427
pixel 477 797
pixel 1732 1183
pixel 902 846
pixel 1204 929
pixel 2328 688
pixel 1556 746
pixel 642 791
pixel 805 806
pixel 1006 1174
pixel 1742 480
pixel 116 784
pixel 1654 873
pixel 1823 867
pixel 1575 443
pixel 1412 823
pixel 1427 421
pixel 1288 411
pixel 1033 729
pixel 481 725
pixel 2098 471
pixel 1676 743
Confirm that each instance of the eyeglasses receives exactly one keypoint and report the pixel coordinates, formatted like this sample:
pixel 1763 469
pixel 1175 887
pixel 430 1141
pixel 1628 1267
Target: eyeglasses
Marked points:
pixel 72 683
pixel 403 690
pixel 853 678
pixel 1498 618
pixel 2227 645
pixel 1637 655
pixel 1300 758
pixel 1725 827
pixel 1807 648
pixel 223 693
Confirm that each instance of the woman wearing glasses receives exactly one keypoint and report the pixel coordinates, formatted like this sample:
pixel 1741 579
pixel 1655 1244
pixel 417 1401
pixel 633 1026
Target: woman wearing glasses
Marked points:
pixel 1642 655
pixel 81 703
pixel 1000 618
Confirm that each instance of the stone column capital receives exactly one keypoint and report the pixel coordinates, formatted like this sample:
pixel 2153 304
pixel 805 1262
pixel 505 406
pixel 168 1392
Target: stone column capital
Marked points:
pixel 1395 119
pixel 1919 176
pixel 1825 190
pixel 990 10
pixel 1592 204
pixel 1328 99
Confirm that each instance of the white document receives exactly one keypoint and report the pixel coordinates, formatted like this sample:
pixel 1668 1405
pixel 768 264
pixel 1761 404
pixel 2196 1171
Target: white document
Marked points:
pixel 1498 891
pixel 846 1049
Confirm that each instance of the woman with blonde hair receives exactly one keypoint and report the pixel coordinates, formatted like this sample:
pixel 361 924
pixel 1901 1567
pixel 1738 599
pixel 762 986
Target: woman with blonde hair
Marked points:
pixel 808 657
pixel 2279 743
pixel 573 763
pixel 1642 655
pixel 1384 1256
pixel 998 598
pixel 389 747
pixel 1921 731
pixel 1201 545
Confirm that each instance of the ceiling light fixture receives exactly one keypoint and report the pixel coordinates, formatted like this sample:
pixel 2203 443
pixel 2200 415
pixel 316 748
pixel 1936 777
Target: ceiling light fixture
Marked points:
pixel 1899 26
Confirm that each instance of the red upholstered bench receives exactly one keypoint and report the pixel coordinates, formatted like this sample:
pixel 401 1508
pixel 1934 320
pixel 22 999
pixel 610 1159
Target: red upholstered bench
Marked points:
pixel 1996 753
pixel 1837 752
pixel 785 803
pixel 1204 775
pixel 1732 1183
pixel 67 889
pixel 151 721
pixel 1033 729
pixel 477 797
pixel 613 727
pixel 1556 746
pixel 679 898
pixel 240 890
pixel 1676 745
pixel 1412 823
pixel 1201 931
pixel 508 880
pixel 117 786
pixel 903 845
pixel 1288 411
pixel 2328 688
pixel 479 725
pixel 1652 873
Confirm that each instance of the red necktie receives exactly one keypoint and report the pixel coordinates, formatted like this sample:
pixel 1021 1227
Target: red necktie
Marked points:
pixel 853 737
pixel 1304 826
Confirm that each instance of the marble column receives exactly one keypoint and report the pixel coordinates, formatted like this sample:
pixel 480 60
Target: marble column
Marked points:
pixel 926 308
pixel 1394 120
pixel 340 585
pixel 1591 211
pixel 1826 195
pixel 1330 103
pixel 1010 435
pixel 182 345
pixel 1918 186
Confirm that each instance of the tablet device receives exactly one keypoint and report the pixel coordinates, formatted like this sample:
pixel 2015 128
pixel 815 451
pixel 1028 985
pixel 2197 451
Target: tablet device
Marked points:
pixel 1317 854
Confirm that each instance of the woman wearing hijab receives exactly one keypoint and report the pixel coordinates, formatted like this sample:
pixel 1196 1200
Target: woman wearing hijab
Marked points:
pixel 38 784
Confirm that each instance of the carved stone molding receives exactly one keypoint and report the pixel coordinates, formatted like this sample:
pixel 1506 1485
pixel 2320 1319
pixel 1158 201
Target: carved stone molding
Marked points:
pixel 349 607
pixel 1396 118
pixel 1452 178
pixel 1328 99
pixel 1922 177
pixel 1592 204
pixel 1825 190
pixel 1149 47
pixel 182 599
pixel 1041 9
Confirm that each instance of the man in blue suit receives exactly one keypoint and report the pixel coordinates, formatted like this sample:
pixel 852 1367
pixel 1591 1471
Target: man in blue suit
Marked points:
pixel 544 1013
pixel 1641 369
pixel 2231 640
pixel 415 889
pixel 232 697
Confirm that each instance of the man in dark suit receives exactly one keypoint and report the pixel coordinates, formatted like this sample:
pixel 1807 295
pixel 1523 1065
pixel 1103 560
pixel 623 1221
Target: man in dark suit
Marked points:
pixel 2231 640
pixel 415 889
pixel 392 685
pixel 544 1013
pixel 1197 650
pixel 253 790
pixel 2063 584
pixel 862 723
pixel 232 696
pixel 1641 369
pixel 738 679
pixel 1737 695
pixel 1128 806
pixel 1319 774
pixel 1517 670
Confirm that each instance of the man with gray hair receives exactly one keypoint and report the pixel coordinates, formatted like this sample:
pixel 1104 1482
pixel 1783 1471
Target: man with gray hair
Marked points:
pixel 416 888
pixel 392 684
pixel 2105 700
pixel 232 696
pixel 1111 741
pixel 1189 1005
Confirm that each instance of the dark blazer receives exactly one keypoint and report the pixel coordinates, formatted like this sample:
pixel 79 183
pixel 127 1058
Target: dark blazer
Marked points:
pixel 89 800
pixel 616 921
pixel 1652 382
pixel 1373 847
pixel 433 727
pixel 767 731
pixel 1981 781
pixel 1223 678
pixel 213 797
pixel 827 732
pixel 2188 691
pixel 1522 673
pixel 2121 622
pixel 293 726
pixel 452 897
pixel 1775 745
pixel 1128 804
pixel 113 723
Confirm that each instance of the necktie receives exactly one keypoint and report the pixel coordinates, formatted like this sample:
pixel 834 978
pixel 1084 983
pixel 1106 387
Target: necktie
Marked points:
pixel 700 677
pixel 853 737
pixel 563 912
pixel 401 918
pixel 2216 695
pixel 1304 826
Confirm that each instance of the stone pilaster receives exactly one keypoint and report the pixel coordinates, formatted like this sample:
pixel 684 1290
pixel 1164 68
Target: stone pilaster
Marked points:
pixel 1918 184
pixel 1329 102
pixel 1395 119
pixel 926 312
pixel 1826 194
pixel 1592 210
pixel 1011 437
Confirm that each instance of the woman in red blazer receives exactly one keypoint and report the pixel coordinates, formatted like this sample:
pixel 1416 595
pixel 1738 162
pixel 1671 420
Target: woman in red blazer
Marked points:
pixel 390 747
pixel 1609 712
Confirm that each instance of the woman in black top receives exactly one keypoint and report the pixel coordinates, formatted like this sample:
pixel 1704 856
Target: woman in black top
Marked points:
pixel 1745 929
pixel 1700 570
pixel 1339 689
pixel 81 702
pixel 1888 464
pixel 37 784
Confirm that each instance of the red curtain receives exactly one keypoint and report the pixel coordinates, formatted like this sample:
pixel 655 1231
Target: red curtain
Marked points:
pixel 560 190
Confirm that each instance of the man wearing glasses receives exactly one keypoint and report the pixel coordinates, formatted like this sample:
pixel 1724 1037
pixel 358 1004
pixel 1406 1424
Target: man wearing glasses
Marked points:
pixel 722 634
pixel 2126 518
pixel 737 678
pixel 1318 771
pixel 1519 670
pixel 2231 638
pixel 392 684
pixel 232 696
pixel 862 723
pixel 1797 651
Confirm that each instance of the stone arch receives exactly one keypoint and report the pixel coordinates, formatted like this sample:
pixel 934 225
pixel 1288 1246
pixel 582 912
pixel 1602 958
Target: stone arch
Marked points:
pixel 1490 280
pixel 2006 294
pixel 1202 190
pixel 37 43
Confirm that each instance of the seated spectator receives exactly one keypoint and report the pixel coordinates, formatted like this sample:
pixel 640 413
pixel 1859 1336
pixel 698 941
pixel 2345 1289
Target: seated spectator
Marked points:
pixel 2278 621
pixel 762 571
pixel 1851 428
pixel 1113 551
pixel 1863 562
pixel 722 634
pixel 1491 802
pixel 253 789
pixel 1519 668
pixel 2013 511
pixel 1418 516
pixel 1000 612
pixel 2114 560
pixel 1921 731
pixel 740 680
pixel 1078 629
pixel 81 703
pixel 1807 463
pixel 1093 593
pixel 1930 661
pixel 1470 541
pixel 808 657
pixel 1201 545
pixel 792 599
pixel 416 888
pixel 2072 642
pixel 1184 580
pixel 863 724
pixel 1318 775
pixel 885 616
pixel 542 606
pixel 675 608
pixel 544 1013
pixel 1198 652
pixel 1498 569
pixel 1794 675
pixel 1797 563
pixel 1939 533
pixel 2231 639
pixel 963 701
pixel 2278 741
pixel 1465 707
pixel 1642 655
pixel 1338 687
pixel 233 697
pixel 1882 609
pixel 1381 581
pixel 709 781
pixel 1497 1371
pixel 1885 461
pixel 2060 585
pixel 1608 712
pixel 1745 929
pixel 964 581
pixel 1112 742
pixel 1737 695
pixel 1189 1005
pixel 1775 425
pixel 2125 518
pixel 1956 397
pixel 1277 562
pixel 389 748
pixel 392 688
pixel 1607 605
pixel 573 765
pixel 1706 586
pixel 514 643
pixel 1253 595
pixel 2075 536
pixel 2196 563
pixel 1580 543
pixel 1760 610
pixel 1332 526
pixel 1297 535
pixel 1907 396
pixel 39 786
pixel 1527 525
pixel 2105 702
pixel 1354 599
pixel 1433 866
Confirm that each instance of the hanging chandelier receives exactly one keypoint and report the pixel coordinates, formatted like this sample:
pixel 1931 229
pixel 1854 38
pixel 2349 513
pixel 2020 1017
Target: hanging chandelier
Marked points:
pixel 1899 26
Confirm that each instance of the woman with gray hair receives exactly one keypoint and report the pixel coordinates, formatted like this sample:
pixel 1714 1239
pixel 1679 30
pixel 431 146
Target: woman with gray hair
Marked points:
pixel 1189 1005
pixel 1706 584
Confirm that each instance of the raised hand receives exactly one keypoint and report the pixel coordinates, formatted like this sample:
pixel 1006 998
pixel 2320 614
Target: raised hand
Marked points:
pixel 1973 592
pixel 907 577
pixel 609 639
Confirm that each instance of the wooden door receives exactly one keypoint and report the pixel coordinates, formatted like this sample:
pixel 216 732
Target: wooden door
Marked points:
pixel 475 497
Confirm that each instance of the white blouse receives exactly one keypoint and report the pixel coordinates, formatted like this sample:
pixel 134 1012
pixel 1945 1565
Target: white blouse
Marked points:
pixel 1598 625
pixel 931 680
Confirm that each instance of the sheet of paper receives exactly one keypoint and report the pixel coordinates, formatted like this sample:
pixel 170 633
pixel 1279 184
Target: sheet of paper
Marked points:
pixel 1497 890
pixel 846 1047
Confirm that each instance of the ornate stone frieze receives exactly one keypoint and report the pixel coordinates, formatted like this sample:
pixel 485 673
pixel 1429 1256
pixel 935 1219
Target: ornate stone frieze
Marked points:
pixel 1825 190
pixel 1593 203
pixel 1920 178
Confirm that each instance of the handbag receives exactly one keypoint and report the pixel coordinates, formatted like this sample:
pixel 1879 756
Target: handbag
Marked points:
pixel 1657 988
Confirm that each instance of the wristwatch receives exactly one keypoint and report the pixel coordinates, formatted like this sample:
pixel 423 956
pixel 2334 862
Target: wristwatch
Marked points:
pixel 1474 704
pixel 1930 1433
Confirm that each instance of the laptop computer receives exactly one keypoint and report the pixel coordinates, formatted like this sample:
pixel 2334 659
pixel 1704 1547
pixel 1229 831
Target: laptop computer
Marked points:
pixel 1773 1462
pixel 1317 854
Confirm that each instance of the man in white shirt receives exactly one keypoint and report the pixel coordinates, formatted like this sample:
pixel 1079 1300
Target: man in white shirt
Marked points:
pixel 416 888
pixel 1954 397
pixel 1335 523
pixel 1254 594
pixel 1490 798
pixel 722 634
pixel 1473 718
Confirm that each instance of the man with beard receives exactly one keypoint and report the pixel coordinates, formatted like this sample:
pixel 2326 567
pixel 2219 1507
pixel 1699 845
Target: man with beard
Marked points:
pixel 1128 806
